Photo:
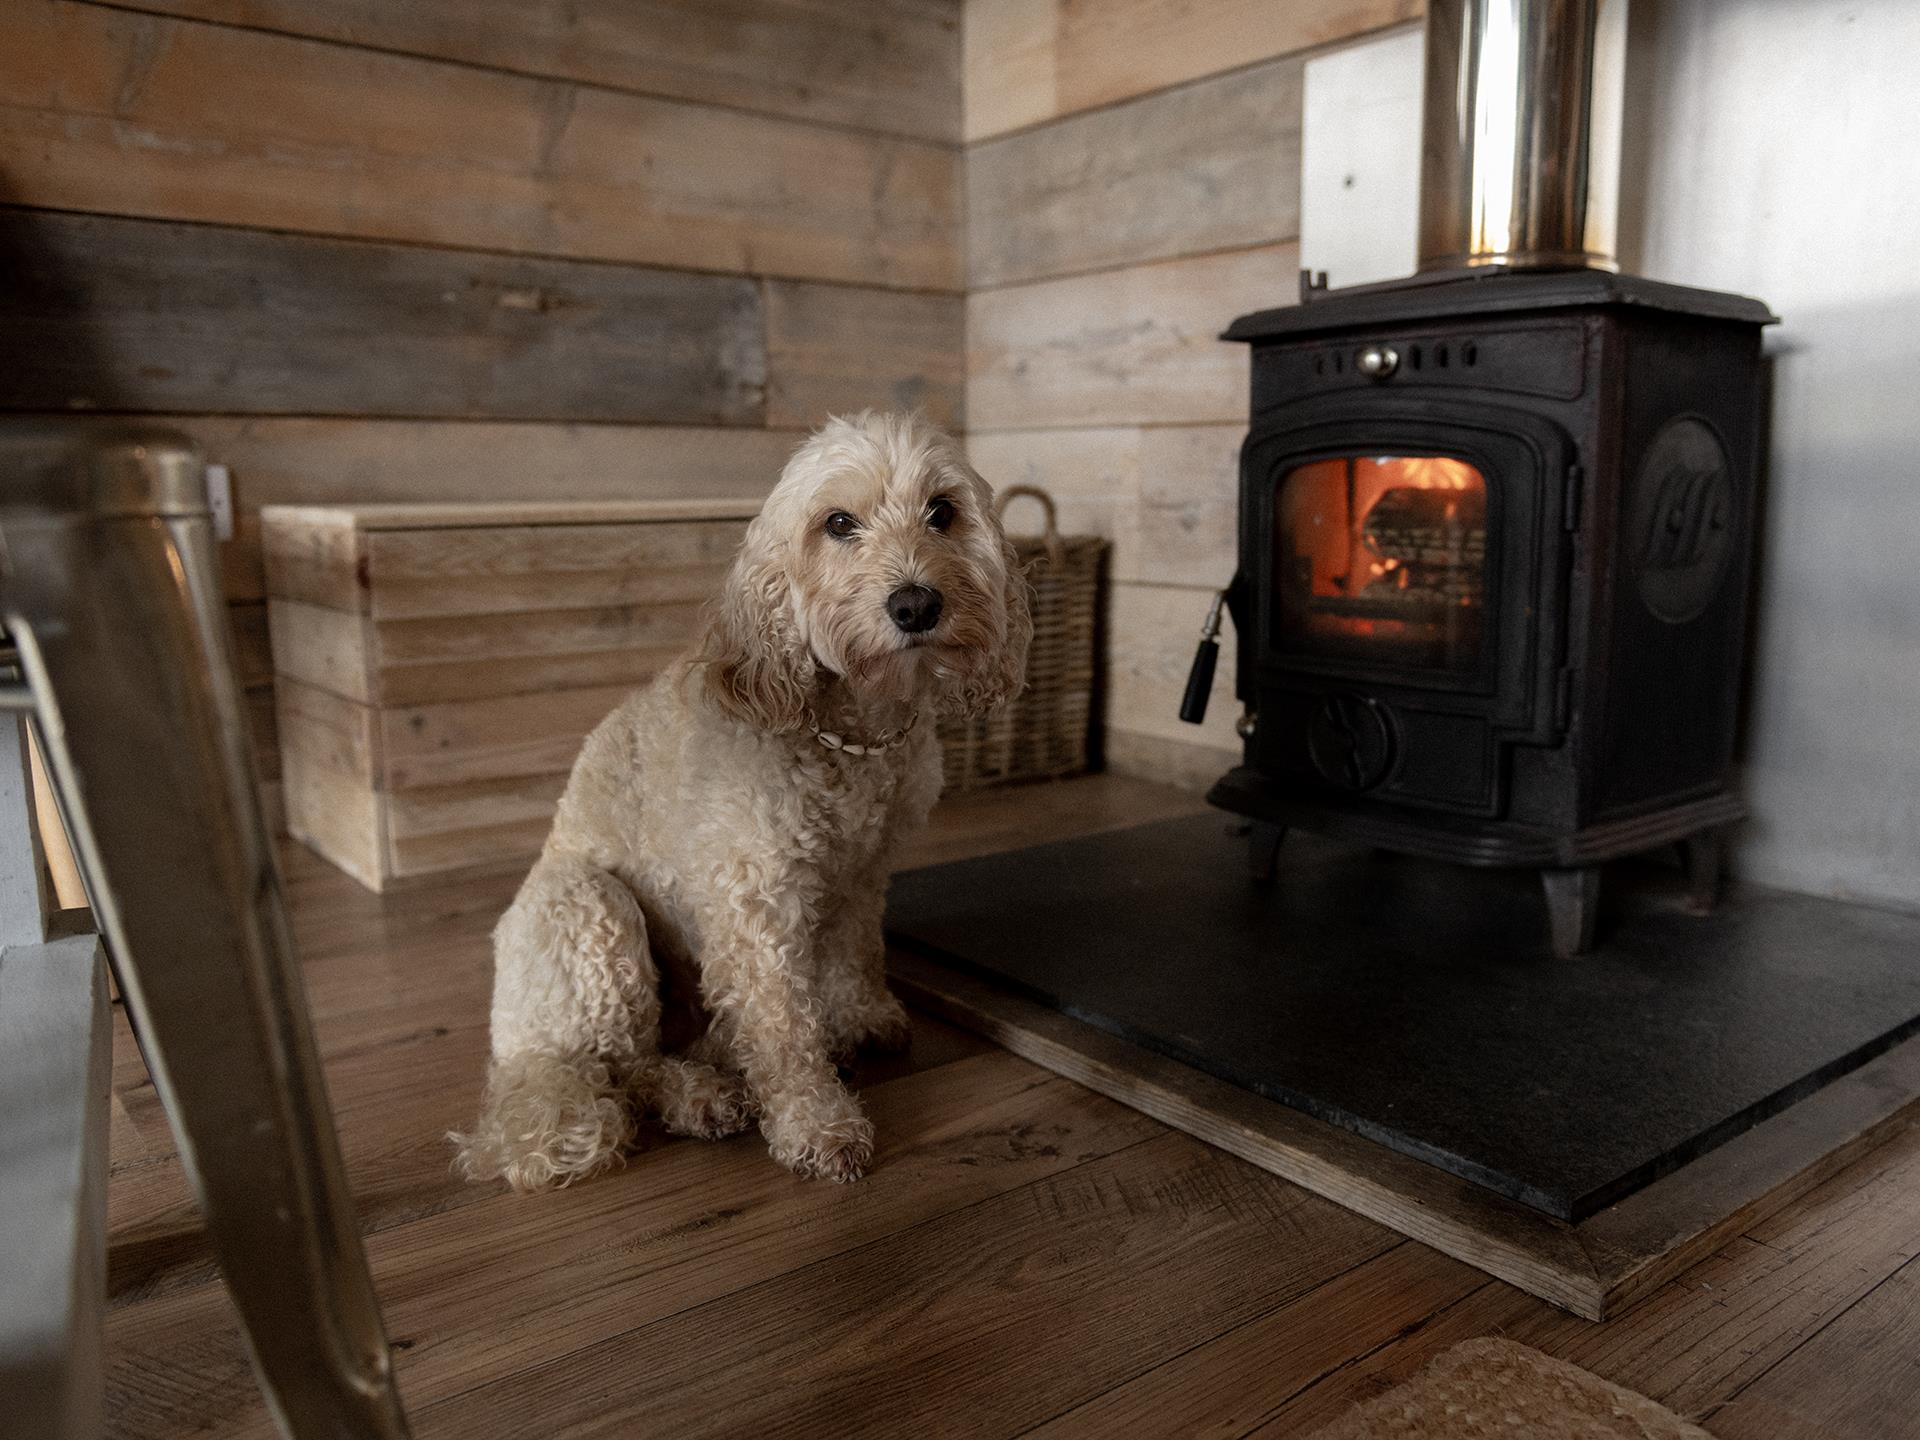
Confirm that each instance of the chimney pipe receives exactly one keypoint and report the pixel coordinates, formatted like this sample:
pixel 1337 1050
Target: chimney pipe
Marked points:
pixel 1520 134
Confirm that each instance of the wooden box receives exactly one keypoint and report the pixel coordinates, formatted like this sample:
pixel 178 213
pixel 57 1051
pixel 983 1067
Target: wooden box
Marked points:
pixel 437 666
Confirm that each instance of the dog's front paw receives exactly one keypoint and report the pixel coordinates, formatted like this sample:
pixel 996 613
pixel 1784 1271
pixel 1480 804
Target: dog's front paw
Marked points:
pixel 842 1159
pixel 839 1149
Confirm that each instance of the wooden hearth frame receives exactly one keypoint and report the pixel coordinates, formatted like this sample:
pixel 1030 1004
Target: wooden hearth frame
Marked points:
pixel 1595 1268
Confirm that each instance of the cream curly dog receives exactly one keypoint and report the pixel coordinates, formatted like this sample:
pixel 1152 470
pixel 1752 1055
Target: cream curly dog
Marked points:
pixel 700 937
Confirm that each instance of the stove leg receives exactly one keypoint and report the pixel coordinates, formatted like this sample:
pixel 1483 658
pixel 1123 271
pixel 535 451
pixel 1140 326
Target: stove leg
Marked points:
pixel 1263 850
pixel 1702 854
pixel 1573 900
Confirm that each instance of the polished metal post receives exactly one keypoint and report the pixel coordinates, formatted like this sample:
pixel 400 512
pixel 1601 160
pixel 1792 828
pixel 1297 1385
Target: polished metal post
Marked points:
pixel 1520 135
pixel 109 588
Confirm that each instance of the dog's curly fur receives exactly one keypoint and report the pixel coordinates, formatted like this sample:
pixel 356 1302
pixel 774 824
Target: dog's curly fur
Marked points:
pixel 700 938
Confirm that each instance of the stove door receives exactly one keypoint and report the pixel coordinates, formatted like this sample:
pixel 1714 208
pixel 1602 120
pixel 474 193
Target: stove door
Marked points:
pixel 1406 567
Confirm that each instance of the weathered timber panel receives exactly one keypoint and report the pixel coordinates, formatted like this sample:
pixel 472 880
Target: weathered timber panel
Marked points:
pixel 328 754
pixel 1166 496
pixel 424 661
pixel 896 70
pixel 1121 347
pixel 492 739
pixel 278 460
pixel 336 734
pixel 484 822
pixel 1211 166
pixel 286 461
pixel 108 111
pixel 149 316
pixel 417 573
pixel 1028 61
pixel 332 650
pixel 838 348
pixel 538 652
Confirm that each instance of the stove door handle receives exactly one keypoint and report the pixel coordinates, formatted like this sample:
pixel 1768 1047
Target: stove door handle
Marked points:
pixel 1193 708
pixel 1193 705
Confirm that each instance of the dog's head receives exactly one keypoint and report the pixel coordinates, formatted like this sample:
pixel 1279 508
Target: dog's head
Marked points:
pixel 877 558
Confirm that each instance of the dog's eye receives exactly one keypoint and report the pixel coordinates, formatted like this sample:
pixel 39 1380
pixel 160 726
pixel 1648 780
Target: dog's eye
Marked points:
pixel 841 525
pixel 940 513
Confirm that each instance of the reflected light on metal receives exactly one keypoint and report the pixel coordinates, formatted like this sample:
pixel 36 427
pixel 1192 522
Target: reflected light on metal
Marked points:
pixel 1520 153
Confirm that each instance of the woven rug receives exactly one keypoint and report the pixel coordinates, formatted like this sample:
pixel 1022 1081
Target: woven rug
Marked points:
pixel 1487 1387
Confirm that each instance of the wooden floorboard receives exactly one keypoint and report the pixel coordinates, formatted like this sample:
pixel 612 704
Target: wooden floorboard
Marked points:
pixel 1025 1254
pixel 504 1285
pixel 1704 1336
pixel 1231 1382
pixel 1716 1329
pixel 1004 1313
pixel 1858 1376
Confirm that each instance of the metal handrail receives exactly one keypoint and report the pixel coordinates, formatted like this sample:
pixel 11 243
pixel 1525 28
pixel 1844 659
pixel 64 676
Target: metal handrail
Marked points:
pixel 110 599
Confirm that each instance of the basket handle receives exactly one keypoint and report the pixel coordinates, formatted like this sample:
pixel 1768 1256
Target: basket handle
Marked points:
pixel 1056 552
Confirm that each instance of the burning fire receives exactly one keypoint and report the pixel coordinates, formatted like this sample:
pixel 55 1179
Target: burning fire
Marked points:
pixel 1367 560
pixel 1432 472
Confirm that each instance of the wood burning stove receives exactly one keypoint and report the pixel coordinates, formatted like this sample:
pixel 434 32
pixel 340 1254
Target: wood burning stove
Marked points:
pixel 1496 521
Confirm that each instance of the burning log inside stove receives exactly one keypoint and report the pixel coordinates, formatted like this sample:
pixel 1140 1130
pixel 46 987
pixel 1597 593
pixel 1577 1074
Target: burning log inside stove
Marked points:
pixel 1432 546
pixel 1370 546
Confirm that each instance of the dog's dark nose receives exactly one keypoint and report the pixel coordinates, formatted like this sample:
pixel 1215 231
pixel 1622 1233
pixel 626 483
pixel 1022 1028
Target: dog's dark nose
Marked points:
pixel 914 608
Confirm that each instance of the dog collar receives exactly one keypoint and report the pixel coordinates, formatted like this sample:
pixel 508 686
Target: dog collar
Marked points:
pixel 886 740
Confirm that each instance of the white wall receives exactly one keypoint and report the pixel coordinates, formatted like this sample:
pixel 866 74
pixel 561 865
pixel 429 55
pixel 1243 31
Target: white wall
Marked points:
pixel 1778 144
pixel 1360 159
pixel 1772 148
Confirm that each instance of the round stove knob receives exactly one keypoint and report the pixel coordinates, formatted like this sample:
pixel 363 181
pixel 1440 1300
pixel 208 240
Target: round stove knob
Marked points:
pixel 1377 362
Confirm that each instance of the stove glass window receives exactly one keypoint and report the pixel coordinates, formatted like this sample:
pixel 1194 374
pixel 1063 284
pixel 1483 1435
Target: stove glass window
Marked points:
pixel 1383 558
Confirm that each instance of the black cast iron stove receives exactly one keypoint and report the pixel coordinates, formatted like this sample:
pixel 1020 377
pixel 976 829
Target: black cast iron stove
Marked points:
pixel 1494 556
pixel 1496 537
pixel 1496 521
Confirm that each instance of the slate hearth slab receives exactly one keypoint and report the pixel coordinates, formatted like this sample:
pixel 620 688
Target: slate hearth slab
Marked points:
pixel 1418 1004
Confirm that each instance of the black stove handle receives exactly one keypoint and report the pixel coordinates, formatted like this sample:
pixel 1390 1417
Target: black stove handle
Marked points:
pixel 1193 705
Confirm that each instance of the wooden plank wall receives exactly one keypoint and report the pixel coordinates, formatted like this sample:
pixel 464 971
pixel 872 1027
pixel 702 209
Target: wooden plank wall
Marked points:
pixel 1132 184
pixel 598 248
pixel 478 249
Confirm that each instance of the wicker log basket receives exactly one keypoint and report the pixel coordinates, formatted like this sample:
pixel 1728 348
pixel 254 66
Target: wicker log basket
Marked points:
pixel 1043 732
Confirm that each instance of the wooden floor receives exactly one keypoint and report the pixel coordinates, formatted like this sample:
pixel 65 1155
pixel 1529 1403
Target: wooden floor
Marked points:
pixel 1025 1255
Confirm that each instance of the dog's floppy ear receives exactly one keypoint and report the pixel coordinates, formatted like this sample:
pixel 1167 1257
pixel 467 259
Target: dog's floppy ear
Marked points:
pixel 757 667
pixel 1004 672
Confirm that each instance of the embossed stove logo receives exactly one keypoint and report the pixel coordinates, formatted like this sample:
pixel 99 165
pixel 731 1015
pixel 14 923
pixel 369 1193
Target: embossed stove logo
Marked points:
pixel 1684 519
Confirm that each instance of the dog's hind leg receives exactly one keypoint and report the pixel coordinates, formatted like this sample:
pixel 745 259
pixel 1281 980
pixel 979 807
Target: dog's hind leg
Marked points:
pixel 576 1023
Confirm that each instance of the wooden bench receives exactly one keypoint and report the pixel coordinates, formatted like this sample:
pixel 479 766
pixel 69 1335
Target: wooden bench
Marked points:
pixel 437 666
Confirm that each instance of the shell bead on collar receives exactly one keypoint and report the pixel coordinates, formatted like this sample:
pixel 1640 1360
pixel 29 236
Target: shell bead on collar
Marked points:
pixel 887 740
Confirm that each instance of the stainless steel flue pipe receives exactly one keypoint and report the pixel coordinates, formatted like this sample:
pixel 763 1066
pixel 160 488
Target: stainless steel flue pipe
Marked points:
pixel 1520 133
